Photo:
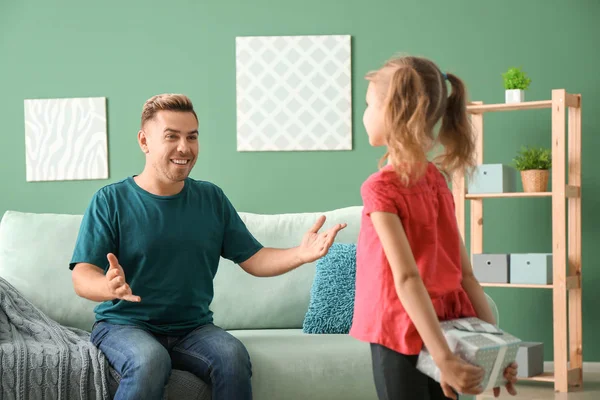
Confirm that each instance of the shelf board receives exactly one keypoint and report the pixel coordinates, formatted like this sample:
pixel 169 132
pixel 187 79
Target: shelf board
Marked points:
pixel 516 285
pixel 475 196
pixel 545 377
pixel 527 105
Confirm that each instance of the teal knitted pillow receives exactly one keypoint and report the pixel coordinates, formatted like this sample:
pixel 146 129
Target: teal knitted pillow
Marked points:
pixel 331 304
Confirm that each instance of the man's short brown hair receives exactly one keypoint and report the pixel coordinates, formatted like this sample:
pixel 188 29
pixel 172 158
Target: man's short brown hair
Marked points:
pixel 166 102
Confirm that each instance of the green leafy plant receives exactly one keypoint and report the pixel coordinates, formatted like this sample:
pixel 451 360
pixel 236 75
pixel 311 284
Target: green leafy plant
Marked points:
pixel 533 158
pixel 515 78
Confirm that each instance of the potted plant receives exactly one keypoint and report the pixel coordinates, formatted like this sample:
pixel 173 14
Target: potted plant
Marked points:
pixel 534 164
pixel 515 83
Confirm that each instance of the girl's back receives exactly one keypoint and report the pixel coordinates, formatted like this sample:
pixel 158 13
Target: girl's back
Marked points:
pixel 426 210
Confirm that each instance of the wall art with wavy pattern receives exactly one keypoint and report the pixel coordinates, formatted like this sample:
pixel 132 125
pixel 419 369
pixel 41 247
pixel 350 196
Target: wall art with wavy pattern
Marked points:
pixel 65 139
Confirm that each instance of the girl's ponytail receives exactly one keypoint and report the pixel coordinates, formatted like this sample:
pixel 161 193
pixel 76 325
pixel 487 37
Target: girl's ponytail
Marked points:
pixel 456 133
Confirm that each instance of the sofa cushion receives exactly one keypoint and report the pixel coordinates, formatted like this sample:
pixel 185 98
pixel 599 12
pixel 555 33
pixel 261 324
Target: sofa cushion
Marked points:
pixel 243 301
pixel 35 250
pixel 289 364
pixel 331 304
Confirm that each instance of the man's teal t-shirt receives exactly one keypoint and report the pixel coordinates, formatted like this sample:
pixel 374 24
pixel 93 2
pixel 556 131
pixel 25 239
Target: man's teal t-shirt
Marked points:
pixel 169 248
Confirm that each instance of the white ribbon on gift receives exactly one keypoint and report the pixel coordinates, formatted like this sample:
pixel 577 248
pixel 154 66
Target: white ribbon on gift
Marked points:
pixel 495 338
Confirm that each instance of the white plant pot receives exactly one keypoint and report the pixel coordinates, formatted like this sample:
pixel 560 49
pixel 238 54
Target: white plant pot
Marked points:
pixel 515 96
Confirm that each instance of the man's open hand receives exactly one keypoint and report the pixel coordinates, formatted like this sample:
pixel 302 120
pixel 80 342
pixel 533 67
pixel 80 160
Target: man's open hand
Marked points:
pixel 115 279
pixel 314 244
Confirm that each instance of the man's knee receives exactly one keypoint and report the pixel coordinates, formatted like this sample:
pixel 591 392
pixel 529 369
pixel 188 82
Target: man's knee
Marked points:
pixel 234 360
pixel 151 365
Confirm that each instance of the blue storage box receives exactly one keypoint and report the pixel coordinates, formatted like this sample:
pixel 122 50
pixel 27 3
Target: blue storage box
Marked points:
pixel 531 268
pixel 491 268
pixel 493 178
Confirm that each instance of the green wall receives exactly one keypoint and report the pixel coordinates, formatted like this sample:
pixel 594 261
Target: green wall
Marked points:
pixel 129 51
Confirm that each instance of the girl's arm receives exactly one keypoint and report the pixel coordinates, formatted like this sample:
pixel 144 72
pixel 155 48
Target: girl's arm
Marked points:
pixel 409 285
pixel 474 290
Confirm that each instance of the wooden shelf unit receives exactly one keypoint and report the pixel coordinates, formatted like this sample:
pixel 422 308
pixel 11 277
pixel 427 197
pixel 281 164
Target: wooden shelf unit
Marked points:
pixel 566 233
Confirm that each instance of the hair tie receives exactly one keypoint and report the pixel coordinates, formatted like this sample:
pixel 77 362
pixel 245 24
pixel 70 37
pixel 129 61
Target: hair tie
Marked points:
pixel 444 76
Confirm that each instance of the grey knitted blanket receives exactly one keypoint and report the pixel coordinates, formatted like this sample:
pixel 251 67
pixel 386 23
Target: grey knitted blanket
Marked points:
pixel 41 359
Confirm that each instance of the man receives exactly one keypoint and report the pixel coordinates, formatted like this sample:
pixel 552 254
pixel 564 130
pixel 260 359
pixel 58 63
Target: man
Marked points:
pixel 148 250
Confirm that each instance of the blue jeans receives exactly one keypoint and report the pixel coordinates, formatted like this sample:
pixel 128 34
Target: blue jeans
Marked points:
pixel 144 360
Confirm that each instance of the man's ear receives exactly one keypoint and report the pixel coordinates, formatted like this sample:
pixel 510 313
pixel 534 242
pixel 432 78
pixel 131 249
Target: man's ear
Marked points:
pixel 143 141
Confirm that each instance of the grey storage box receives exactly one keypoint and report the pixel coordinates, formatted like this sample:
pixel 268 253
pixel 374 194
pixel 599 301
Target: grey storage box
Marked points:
pixel 493 178
pixel 530 359
pixel 531 268
pixel 491 268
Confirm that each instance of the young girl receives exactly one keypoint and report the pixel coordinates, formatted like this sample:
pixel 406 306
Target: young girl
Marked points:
pixel 412 266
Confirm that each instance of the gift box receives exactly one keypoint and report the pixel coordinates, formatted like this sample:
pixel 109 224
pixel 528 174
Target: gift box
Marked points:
pixel 478 343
